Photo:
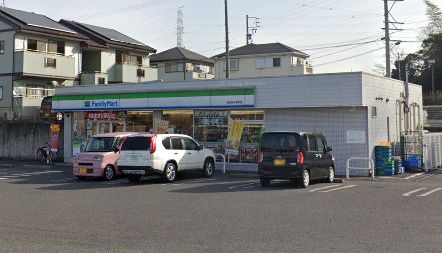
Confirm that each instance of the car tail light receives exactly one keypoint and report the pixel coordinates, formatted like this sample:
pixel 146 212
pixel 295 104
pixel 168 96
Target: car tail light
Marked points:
pixel 261 158
pixel 153 145
pixel 300 158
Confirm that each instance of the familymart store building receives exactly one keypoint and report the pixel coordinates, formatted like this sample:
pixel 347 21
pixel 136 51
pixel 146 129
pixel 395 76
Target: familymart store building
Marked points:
pixel 344 106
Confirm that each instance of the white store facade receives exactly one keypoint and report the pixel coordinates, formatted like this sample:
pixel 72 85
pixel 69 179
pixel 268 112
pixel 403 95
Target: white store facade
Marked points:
pixel 355 111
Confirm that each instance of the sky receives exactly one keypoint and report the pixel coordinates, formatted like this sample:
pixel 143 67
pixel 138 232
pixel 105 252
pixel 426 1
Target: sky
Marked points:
pixel 339 35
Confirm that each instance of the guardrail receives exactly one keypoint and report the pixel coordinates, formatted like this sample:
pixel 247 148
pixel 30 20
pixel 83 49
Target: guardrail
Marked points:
pixel 370 167
pixel 223 158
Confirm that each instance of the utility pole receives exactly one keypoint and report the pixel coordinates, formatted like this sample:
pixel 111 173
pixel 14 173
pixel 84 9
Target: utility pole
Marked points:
pixel 387 29
pixel 432 62
pixel 250 30
pixel 226 18
pixel 387 39
pixel 179 27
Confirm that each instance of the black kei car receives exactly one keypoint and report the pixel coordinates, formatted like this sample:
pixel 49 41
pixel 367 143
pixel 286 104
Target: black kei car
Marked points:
pixel 296 156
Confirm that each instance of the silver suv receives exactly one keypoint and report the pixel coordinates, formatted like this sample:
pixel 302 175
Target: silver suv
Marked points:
pixel 163 154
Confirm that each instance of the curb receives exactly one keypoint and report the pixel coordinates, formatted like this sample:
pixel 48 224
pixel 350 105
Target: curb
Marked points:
pixel 338 180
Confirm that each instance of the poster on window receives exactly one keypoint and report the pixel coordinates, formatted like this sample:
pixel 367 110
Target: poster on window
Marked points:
pixel 160 126
pixel 211 117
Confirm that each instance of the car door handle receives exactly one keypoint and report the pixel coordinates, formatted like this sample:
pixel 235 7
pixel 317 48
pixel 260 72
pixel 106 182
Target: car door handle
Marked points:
pixel 175 153
pixel 189 153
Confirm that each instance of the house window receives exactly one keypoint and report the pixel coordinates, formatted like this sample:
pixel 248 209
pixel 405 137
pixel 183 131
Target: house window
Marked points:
pixel 277 62
pixel 101 80
pixel 139 60
pixel 374 112
pixel 234 64
pixel 265 63
pixel 50 62
pixel 2 46
pixel 174 67
pixel 36 45
pixel 56 47
pixel 140 73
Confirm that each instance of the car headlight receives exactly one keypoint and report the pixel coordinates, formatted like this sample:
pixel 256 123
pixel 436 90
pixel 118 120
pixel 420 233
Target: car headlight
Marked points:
pixel 98 158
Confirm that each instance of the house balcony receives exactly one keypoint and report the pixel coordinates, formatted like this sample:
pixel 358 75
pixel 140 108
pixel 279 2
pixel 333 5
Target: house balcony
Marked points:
pixel 127 73
pixel 27 101
pixel 39 64
pixel 90 78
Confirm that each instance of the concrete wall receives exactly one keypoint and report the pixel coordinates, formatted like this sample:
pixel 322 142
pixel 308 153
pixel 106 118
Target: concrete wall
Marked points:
pixel 332 122
pixel 21 139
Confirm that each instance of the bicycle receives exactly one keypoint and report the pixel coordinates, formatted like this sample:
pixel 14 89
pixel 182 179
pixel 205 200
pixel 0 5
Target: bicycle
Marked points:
pixel 46 155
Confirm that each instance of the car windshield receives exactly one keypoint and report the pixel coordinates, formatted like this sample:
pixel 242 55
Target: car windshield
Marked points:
pixel 101 144
pixel 279 142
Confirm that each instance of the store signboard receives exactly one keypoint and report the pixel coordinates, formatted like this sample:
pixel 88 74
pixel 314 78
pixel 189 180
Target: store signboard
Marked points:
pixel 211 117
pixel 239 98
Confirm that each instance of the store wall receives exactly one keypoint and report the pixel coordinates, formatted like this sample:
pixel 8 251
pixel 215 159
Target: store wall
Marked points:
pixel 334 123
pixel 393 90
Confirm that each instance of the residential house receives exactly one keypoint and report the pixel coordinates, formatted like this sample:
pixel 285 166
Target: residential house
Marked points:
pixel 36 54
pixel 263 60
pixel 180 64
pixel 109 56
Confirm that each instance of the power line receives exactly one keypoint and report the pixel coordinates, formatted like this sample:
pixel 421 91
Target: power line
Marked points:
pixel 117 11
pixel 343 45
pixel 340 51
pixel 351 57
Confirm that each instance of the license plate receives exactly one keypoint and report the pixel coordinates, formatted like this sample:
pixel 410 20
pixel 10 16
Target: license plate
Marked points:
pixel 83 171
pixel 279 162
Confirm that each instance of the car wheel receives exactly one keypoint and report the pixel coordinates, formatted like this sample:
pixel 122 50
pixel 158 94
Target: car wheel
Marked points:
pixel 208 168
pixel 331 175
pixel 305 179
pixel 264 181
pixel 81 178
pixel 134 178
pixel 108 173
pixel 170 172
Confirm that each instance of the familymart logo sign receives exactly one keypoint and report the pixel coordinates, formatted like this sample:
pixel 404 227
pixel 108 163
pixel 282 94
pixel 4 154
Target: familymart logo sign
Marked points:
pixel 101 104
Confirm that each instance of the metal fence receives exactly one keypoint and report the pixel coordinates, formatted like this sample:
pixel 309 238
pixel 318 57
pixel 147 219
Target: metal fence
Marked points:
pixel 432 150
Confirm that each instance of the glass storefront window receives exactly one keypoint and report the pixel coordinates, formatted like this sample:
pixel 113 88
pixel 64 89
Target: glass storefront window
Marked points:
pixel 139 121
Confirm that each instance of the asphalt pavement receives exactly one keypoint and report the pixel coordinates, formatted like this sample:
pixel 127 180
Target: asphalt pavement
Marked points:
pixel 46 209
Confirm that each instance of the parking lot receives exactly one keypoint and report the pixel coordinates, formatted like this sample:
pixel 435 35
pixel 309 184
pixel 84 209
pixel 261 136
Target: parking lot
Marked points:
pixel 46 209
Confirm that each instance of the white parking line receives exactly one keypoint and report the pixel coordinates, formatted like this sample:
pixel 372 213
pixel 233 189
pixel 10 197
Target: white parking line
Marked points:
pixel 64 179
pixel 195 181
pixel 325 187
pixel 241 185
pixel 340 188
pixel 430 192
pixel 119 181
pixel 415 175
pixel 407 194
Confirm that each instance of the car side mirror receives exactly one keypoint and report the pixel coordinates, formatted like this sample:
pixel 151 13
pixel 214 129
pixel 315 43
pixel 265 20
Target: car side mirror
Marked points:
pixel 200 147
pixel 328 149
pixel 116 150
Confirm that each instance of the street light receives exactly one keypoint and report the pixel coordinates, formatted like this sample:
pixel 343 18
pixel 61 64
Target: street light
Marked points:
pixel 432 62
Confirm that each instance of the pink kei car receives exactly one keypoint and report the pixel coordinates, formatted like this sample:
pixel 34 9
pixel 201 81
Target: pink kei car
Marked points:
pixel 100 157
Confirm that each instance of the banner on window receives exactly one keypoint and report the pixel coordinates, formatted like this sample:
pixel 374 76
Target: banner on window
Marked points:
pixel 54 137
pixel 234 137
pixel 160 126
